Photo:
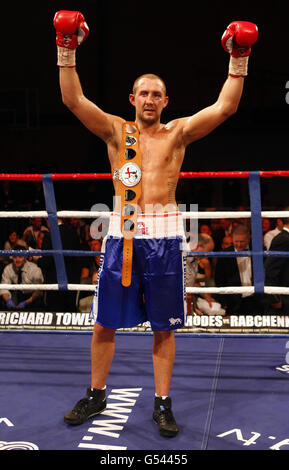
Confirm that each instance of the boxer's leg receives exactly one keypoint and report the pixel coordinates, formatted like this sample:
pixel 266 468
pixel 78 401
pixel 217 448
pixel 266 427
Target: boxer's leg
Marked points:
pixel 102 352
pixel 163 360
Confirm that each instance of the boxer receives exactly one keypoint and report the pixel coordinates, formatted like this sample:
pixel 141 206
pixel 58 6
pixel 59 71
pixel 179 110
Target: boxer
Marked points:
pixel 156 291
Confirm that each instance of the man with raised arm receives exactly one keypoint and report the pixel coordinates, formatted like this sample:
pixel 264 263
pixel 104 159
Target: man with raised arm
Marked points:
pixel 141 277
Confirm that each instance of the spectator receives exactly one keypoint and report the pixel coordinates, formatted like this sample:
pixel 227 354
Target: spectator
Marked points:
pixel 204 270
pixel 266 225
pixel 89 269
pixel 201 303
pixel 227 242
pixel 91 263
pixel 218 233
pixel 277 271
pixel 82 230
pixel 84 305
pixel 204 243
pixel 61 301
pixel 215 225
pixel 21 271
pixel 13 240
pixel 205 228
pixel 39 239
pixel 39 242
pixel 226 226
pixel 237 271
pixel 31 232
pixel 268 237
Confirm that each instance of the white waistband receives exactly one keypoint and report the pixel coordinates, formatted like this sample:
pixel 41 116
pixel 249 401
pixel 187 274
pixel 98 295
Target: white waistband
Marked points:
pixel 157 225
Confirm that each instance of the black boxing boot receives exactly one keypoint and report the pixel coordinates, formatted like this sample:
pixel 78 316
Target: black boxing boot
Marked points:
pixel 92 404
pixel 164 418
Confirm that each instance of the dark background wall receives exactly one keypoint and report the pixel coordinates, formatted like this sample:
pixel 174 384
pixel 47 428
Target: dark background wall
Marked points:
pixel 179 41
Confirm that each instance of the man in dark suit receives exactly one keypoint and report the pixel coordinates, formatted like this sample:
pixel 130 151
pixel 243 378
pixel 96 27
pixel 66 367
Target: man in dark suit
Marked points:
pixel 277 271
pixel 237 271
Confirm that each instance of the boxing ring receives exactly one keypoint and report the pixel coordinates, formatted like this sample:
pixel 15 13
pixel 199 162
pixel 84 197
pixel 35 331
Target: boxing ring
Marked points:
pixel 233 381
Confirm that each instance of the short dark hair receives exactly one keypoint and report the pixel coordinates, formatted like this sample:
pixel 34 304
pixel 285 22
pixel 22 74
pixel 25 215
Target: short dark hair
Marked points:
pixel 151 76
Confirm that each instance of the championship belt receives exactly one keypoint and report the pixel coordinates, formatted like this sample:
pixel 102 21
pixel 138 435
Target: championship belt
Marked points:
pixel 129 191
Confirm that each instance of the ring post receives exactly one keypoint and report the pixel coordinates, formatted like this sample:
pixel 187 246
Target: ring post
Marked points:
pixel 256 227
pixel 50 204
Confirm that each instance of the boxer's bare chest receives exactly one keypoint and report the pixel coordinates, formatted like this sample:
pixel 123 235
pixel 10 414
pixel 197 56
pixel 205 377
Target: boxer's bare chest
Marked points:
pixel 162 156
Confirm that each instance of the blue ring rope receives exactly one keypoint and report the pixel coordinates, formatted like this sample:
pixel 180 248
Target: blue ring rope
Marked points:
pixel 225 254
pixel 192 254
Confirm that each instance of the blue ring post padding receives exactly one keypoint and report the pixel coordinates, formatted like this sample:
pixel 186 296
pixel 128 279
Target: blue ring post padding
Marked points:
pixel 256 227
pixel 50 204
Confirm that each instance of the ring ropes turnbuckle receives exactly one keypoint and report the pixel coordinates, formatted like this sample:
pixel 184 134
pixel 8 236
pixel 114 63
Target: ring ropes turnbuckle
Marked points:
pixel 257 253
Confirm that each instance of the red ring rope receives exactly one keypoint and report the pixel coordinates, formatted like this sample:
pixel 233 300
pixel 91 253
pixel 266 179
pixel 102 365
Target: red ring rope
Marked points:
pixel 92 176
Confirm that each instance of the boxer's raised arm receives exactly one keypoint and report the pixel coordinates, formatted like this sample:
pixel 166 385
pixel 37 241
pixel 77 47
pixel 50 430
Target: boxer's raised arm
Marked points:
pixel 202 123
pixel 71 31
pixel 237 40
pixel 96 120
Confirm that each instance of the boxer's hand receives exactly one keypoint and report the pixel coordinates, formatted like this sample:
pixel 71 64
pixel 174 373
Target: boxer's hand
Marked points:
pixel 71 31
pixel 237 40
pixel 71 28
pixel 239 37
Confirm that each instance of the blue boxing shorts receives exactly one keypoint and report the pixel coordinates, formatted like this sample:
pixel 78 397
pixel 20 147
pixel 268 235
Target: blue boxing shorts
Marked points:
pixel 157 292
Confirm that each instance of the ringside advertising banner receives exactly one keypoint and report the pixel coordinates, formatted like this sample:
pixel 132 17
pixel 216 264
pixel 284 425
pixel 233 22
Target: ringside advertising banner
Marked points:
pixel 76 321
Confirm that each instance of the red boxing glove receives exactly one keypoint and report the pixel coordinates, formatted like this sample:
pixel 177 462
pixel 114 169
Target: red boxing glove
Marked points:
pixel 237 40
pixel 239 37
pixel 71 31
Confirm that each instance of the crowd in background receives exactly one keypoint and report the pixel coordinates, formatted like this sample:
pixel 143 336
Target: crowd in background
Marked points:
pixel 234 235
pixel 213 235
pixel 221 234
pixel 37 269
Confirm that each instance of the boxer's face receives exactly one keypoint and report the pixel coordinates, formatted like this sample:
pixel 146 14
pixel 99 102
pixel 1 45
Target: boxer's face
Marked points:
pixel 149 100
